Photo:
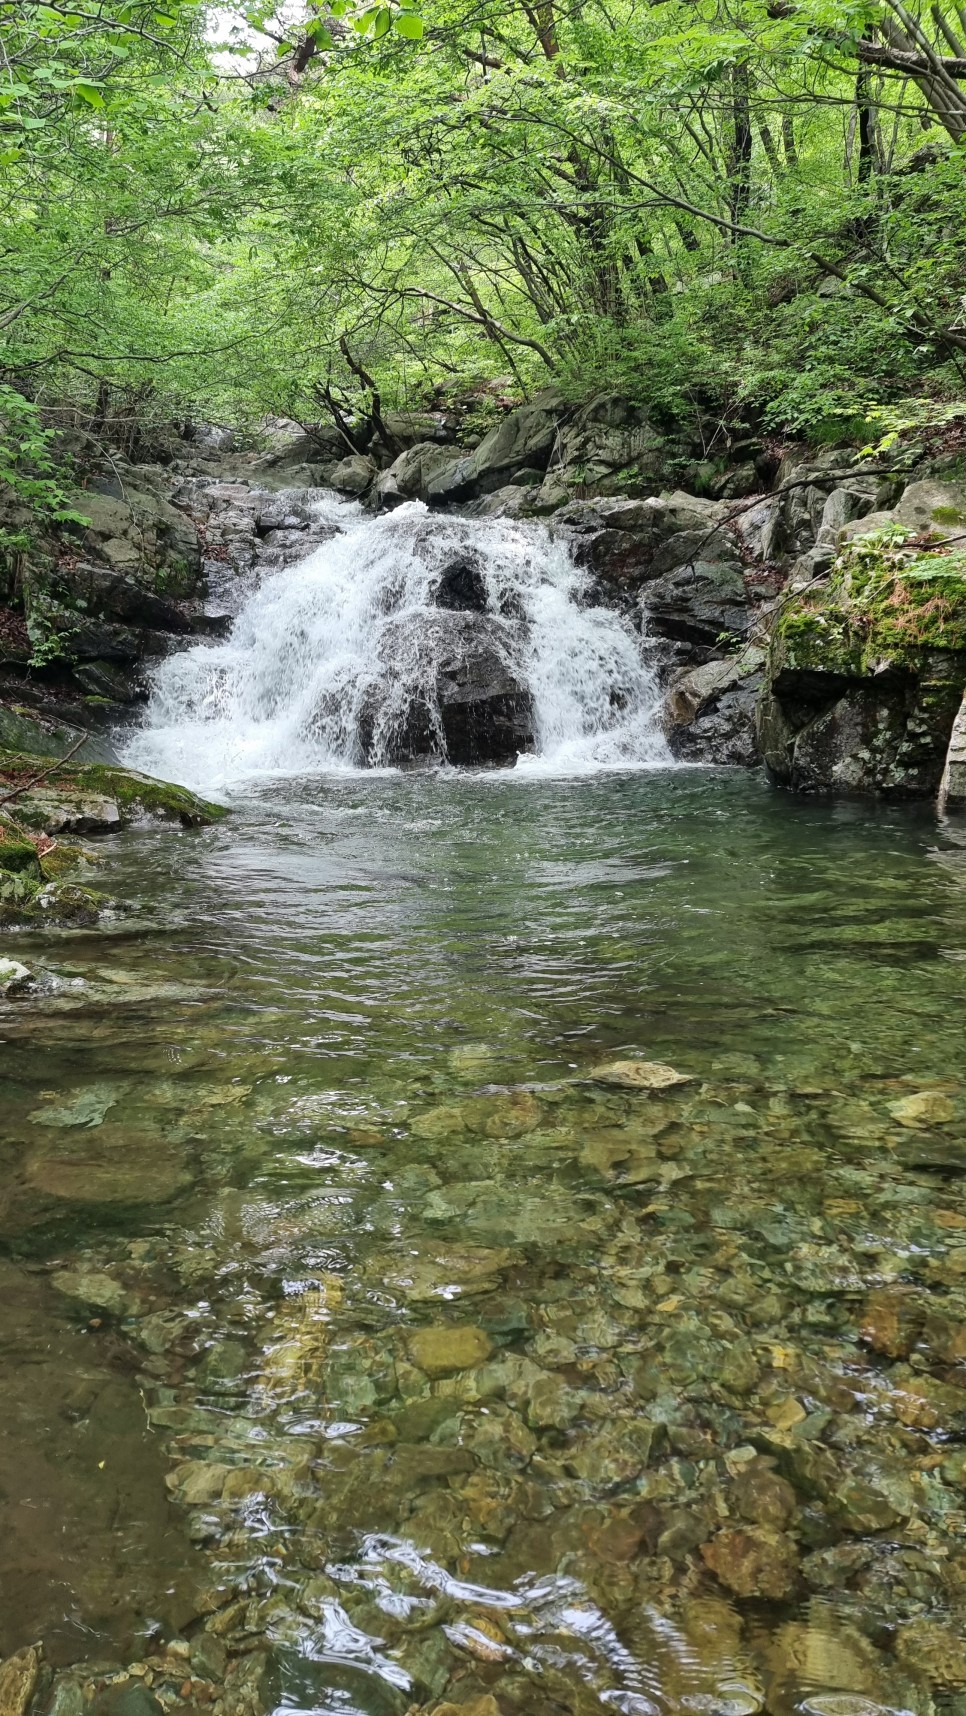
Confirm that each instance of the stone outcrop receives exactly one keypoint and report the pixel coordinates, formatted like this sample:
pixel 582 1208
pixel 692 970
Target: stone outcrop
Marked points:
pixel 711 709
pixel 536 459
pixel 952 786
pixel 474 709
pixel 674 562
pixel 866 669
pixel 136 531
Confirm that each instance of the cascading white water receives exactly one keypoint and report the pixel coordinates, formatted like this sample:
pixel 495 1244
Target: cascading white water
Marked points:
pixel 335 662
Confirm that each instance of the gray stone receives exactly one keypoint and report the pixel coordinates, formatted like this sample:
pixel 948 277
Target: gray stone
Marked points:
pixel 933 508
pixel 208 1656
pixel 14 977
pixel 485 714
pixel 700 602
pixel 37 736
pixel 524 438
pixel 68 1697
pixel 710 709
pixel 891 743
pixel 127 1698
pixel 952 787
pixel 108 681
pixel 100 1292
pixel 610 448
pixel 110 593
pixel 410 475
pixel 354 475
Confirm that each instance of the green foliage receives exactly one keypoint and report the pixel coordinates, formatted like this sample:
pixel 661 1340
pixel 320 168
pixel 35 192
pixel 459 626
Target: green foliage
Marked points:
pixel 237 210
pixel 29 470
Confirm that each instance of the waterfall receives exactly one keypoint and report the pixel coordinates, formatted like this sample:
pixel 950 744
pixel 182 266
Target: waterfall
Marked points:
pixel 407 638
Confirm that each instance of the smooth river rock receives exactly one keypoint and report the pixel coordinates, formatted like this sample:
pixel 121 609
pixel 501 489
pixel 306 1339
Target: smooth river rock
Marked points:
pixel 440 1351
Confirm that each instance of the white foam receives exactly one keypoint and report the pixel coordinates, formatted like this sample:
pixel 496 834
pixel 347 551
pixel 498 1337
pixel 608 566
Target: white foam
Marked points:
pixel 343 637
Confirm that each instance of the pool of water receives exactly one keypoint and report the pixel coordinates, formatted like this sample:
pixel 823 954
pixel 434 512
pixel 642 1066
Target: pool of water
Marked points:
pixel 373 1318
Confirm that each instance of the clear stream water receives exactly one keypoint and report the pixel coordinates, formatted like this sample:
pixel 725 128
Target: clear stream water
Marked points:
pixel 327 1090
pixel 351 1307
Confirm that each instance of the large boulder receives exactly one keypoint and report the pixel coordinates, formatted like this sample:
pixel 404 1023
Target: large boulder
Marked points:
pixel 457 700
pixel 353 475
pixel 866 671
pixel 407 429
pixel 523 440
pixel 97 590
pixel 710 710
pixel 299 458
pixel 704 602
pixel 410 476
pixel 610 448
pixel 627 542
pixel 139 534
pixel 39 736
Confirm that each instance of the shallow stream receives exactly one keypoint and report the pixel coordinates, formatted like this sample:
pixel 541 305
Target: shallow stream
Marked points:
pixel 471 1370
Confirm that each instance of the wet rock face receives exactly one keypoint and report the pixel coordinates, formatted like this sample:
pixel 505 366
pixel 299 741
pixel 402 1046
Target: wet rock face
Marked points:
pixel 472 708
pixel 710 710
pixel 866 668
pixel 462 587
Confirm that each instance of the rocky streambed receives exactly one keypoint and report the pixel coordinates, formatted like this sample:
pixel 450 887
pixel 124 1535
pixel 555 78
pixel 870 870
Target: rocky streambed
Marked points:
pixel 473 1259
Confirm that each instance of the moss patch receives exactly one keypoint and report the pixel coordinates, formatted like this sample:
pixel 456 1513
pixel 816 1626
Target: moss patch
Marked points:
pixel 18 857
pixel 38 887
pixel 889 601
pixel 135 795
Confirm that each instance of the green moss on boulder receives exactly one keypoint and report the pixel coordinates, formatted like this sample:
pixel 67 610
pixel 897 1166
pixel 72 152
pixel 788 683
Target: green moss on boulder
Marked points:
pixel 888 604
pixel 866 671
pixel 97 798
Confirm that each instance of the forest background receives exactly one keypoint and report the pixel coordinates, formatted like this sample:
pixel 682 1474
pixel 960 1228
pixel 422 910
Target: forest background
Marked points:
pixel 747 216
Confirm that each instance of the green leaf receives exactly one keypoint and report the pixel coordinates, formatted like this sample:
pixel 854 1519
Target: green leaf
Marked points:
pixel 89 93
pixel 405 24
pixel 383 21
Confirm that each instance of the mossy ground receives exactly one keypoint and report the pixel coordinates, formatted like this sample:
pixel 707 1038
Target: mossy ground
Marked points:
pixel 889 601
pixel 40 886
pixel 40 878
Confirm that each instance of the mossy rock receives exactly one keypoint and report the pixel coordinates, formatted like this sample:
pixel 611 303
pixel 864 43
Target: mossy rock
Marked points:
pixel 18 857
pixel 866 672
pixel 49 905
pixel 40 890
pixel 889 606
pixel 140 796
pixel 134 797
